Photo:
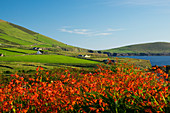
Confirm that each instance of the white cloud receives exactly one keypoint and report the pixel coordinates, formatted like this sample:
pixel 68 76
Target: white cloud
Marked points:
pixel 103 34
pixel 75 31
pixel 110 29
pixel 81 31
pixel 88 32
pixel 65 30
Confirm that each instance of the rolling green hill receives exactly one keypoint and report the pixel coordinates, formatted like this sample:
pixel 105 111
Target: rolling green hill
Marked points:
pixel 157 47
pixel 17 36
pixel 17 43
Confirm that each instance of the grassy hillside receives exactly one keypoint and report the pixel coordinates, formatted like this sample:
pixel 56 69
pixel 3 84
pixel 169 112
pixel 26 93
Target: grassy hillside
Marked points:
pixel 45 59
pixel 157 47
pixel 15 51
pixel 14 35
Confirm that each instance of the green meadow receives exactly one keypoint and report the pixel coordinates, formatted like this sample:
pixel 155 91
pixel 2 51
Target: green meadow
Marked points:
pixel 15 51
pixel 28 63
pixel 45 59
pixel 8 53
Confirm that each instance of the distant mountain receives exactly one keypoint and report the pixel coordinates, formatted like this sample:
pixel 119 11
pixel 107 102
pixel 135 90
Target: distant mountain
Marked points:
pixel 15 35
pixel 156 47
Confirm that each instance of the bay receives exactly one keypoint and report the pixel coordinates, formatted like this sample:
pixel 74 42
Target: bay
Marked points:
pixel 155 60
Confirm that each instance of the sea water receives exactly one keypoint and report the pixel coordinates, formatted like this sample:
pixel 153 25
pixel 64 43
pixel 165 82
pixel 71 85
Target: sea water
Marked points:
pixel 155 60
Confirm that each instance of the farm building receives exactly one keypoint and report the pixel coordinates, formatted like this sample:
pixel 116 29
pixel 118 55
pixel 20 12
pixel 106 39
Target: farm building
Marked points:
pixel 40 49
pixel 39 52
pixel 86 56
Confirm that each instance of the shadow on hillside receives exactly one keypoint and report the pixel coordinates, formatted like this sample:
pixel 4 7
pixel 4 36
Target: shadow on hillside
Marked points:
pixel 6 66
pixel 13 51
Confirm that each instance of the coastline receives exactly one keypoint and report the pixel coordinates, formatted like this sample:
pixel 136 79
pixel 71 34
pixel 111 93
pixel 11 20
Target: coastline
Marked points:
pixel 136 54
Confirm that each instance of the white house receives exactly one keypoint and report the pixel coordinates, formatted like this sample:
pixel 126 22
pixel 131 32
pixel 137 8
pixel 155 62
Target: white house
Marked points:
pixel 39 53
pixel 40 49
pixel 86 56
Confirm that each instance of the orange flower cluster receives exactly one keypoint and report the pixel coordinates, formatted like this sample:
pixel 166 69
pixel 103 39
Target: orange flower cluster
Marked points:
pixel 115 88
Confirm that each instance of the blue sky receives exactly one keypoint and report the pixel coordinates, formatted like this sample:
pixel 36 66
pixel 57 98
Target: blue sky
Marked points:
pixel 93 24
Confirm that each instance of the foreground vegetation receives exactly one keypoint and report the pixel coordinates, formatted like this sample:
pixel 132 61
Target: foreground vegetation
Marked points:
pixel 13 64
pixel 117 88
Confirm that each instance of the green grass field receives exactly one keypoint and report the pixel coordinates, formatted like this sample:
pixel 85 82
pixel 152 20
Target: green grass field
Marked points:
pixel 8 53
pixel 28 63
pixel 15 51
pixel 45 59
pixel 21 50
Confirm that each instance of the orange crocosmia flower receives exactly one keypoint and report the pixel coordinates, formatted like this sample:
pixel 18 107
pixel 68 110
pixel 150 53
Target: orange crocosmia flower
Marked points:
pixel 12 75
pixel 68 75
pixel 66 70
pixel 16 75
pixel 148 110
pixel 31 79
pixel 5 103
pixel 73 81
pixel 37 79
pixel 21 78
pixel 97 111
pixel 49 85
pixel 73 103
pixel 24 110
pixel 47 73
pixel 95 100
pixel 102 109
pixel 63 76
pixel 17 81
pixel 41 68
pixel 145 69
pixel 92 109
pixel 86 89
pixel 37 68
pixel 153 67
pixel 164 66
pixel 47 78
pixel 100 101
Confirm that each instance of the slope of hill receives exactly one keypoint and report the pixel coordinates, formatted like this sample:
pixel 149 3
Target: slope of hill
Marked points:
pixel 14 35
pixel 16 49
pixel 157 47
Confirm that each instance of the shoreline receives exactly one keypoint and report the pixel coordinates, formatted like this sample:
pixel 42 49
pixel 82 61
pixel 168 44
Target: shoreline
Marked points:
pixel 136 54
